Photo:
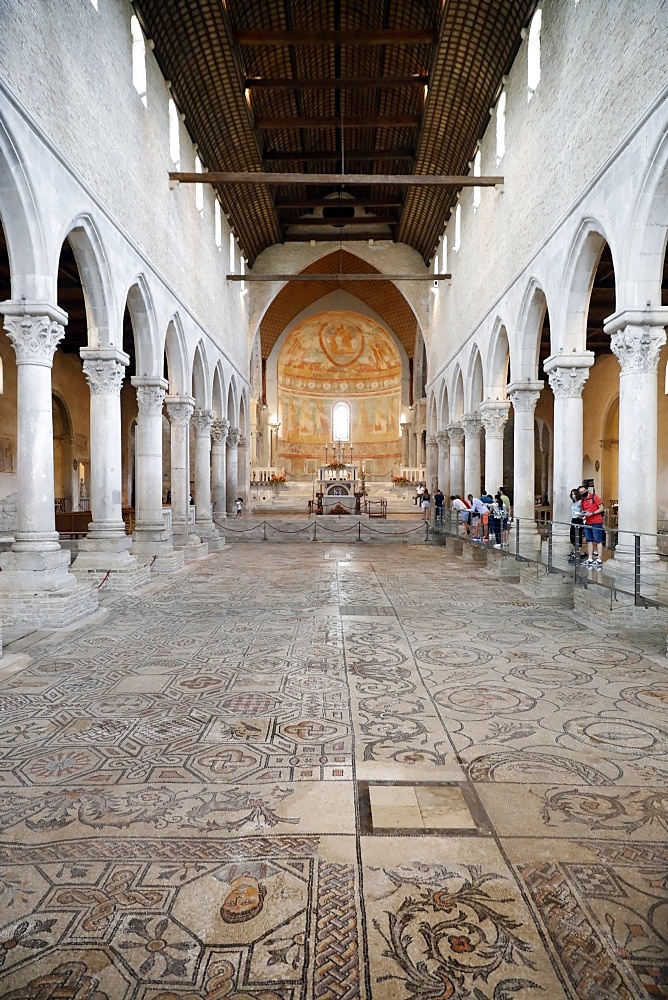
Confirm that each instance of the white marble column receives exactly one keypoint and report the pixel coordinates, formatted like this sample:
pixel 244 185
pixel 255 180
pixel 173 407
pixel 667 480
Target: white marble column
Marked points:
pixel 472 475
pixel 494 415
pixel 149 523
pixel 524 396
pixel 637 337
pixel 180 410
pixel 443 462
pixel 36 560
pixel 405 444
pixel 567 375
pixel 456 435
pixel 202 420
pixel 231 470
pixel 432 463
pixel 243 477
pixel 219 430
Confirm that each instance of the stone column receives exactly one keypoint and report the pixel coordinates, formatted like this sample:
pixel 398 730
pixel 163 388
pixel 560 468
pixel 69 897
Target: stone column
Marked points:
pixel 456 435
pixel 180 410
pixel 443 462
pixel 567 375
pixel 494 414
pixel 432 463
pixel 202 420
pixel 35 578
pixel 219 430
pixel 472 475
pixel 636 339
pixel 405 444
pixel 149 523
pixel 231 477
pixel 524 396
pixel 242 470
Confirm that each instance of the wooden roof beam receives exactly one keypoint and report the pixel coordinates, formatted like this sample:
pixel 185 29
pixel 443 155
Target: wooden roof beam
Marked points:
pixel 364 121
pixel 307 202
pixel 336 237
pixel 345 276
pixel 361 36
pixel 277 155
pixel 349 83
pixel 359 220
pixel 336 180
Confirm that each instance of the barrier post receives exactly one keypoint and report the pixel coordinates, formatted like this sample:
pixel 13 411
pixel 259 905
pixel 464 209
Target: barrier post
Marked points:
pixel 517 539
pixel 636 572
pixel 549 546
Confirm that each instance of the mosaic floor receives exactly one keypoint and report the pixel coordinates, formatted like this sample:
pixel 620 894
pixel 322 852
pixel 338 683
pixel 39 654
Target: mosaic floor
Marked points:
pixel 295 771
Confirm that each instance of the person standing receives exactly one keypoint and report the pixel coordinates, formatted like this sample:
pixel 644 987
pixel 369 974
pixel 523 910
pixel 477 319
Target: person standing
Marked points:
pixel 419 491
pixel 591 506
pixel 508 515
pixel 497 516
pixel 576 527
pixel 426 504
pixel 238 503
pixel 439 498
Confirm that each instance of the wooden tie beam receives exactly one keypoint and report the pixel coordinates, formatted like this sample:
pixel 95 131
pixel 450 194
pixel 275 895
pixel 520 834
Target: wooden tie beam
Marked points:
pixel 337 180
pixel 249 276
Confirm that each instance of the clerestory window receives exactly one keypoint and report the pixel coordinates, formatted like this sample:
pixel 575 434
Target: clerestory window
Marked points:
pixel 341 421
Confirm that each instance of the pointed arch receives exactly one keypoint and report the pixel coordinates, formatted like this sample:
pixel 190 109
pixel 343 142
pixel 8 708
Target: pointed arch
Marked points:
pixel 199 378
pixel 443 408
pixel 649 235
pixel 529 331
pixel 475 386
pixel 432 414
pixel 232 403
pixel 144 327
pixel 498 362
pixel 457 394
pixel 579 275
pixel 175 356
pixel 218 392
pixel 95 277
pixel 30 275
pixel 243 415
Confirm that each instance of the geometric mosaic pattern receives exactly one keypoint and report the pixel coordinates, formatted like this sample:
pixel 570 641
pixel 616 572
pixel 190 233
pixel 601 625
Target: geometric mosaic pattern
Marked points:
pixel 187 787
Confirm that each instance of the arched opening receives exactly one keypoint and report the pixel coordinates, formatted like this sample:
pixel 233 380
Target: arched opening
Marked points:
pixel 8 403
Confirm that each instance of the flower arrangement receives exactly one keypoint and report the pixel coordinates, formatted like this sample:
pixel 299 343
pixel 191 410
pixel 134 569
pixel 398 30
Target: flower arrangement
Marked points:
pixel 276 480
pixel 400 480
pixel 336 465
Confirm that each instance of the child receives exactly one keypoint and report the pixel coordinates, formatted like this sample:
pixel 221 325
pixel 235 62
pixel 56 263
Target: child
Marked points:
pixel 238 503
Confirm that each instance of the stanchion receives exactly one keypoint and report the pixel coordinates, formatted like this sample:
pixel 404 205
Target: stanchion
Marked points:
pixel 359 531
pixel 315 529
pixel 517 539
pixel 264 531
pixel 636 572
pixel 549 546
pixel 426 537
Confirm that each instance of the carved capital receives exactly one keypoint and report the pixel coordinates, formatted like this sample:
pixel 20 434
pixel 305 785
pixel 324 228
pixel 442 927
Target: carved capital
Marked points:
pixel 104 377
pixel 524 395
pixel 432 442
pixel 456 435
pixel 637 348
pixel 471 424
pixel 34 337
pixel 150 398
pixel 442 439
pixel 233 436
pixel 219 430
pixel 179 410
pixel 202 420
pixel 567 382
pixel 494 415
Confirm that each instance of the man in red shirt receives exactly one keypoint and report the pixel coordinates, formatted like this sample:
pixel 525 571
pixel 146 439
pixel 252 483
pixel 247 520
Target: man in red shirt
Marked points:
pixel 592 512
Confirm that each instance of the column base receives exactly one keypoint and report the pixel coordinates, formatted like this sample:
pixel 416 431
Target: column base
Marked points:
pixel 158 557
pixel 117 571
pixel 208 532
pixel 548 588
pixel 107 531
pixel 195 549
pixel 48 608
pixel 33 571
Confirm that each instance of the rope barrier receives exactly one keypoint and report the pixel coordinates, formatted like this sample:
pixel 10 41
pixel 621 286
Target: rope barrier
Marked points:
pixel 354 526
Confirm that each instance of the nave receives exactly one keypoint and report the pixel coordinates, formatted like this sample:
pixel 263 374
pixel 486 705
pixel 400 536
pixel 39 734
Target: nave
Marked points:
pixel 296 771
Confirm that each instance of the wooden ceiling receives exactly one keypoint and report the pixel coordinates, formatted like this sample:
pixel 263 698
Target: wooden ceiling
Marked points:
pixel 330 86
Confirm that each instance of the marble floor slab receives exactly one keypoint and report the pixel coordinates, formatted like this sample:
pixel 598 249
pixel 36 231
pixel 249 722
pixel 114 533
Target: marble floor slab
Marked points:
pixel 293 772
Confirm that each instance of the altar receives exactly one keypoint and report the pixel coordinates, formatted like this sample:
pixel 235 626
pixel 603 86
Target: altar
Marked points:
pixel 336 487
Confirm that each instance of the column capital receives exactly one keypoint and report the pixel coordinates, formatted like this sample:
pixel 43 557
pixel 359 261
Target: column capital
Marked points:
pixel 442 438
pixel 567 373
pixel 104 370
pixel 631 317
pixel 494 414
pixel 150 392
pixel 637 348
pixel 456 433
pixel 471 423
pixel 431 441
pixel 219 429
pixel 180 409
pixel 202 420
pixel 233 436
pixel 524 395
pixel 35 330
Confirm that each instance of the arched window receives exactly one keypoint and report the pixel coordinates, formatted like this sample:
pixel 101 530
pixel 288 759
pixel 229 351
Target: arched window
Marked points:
pixel 501 127
pixel 199 188
pixel 217 224
pixel 138 59
pixel 458 228
pixel 533 54
pixel 477 164
pixel 233 261
pixel 444 246
pixel 174 137
pixel 341 421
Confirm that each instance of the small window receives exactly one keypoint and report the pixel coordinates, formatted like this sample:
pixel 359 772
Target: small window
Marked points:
pixel 217 224
pixel 138 59
pixel 533 55
pixel 341 422
pixel 501 127
pixel 477 161
pixel 174 137
pixel 233 262
pixel 199 188
pixel 458 228
pixel 444 252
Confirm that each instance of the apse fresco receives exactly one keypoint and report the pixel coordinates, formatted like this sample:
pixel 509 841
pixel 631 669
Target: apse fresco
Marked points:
pixel 334 356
